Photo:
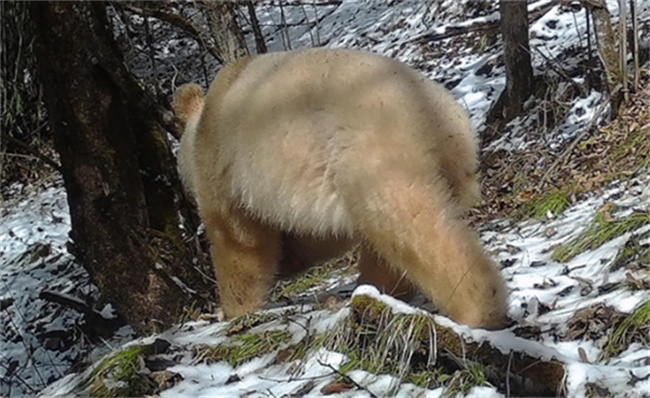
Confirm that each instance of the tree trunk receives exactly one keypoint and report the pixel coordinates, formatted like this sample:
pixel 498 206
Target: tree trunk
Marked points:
pixel 228 37
pixel 607 51
pixel 117 168
pixel 622 46
pixel 635 44
pixel 516 54
pixel 605 40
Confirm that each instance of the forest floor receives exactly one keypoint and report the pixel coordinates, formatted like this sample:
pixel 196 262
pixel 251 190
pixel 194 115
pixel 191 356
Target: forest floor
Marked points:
pixel 565 214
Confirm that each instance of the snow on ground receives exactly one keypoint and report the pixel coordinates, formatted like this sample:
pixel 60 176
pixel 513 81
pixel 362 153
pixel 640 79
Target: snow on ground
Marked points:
pixel 33 234
pixel 535 280
pixel 38 343
pixel 40 339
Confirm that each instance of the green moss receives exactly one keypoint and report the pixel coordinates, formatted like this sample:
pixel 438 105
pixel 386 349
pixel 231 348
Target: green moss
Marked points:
pixel 245 348
pixel 122 374
pixel 633 328
pixel 554 202
pixel 369 309
pixel 602 230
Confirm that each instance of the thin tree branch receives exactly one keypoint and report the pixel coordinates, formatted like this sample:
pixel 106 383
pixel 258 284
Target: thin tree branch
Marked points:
pixel 260 44
pixel 175 20
pixel 346 377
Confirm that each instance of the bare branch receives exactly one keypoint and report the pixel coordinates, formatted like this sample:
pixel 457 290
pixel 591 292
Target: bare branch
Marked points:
pixel 175 20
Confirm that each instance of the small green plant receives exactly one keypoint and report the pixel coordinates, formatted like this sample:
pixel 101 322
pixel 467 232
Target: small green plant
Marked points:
pixel 483 42
pixel 315 277
pixel 463 380
pixel 191 313
pixel 381 342
pixel 413 348
pixel 122 374
pixel 249 321
pixel 299 350
pixel 633 250
pixel 403 345
pixel 430 378
pixel 245 347
pixel 594 390
pixel 633 328
pixel 635 139
pixel 602 230
pixel 554 203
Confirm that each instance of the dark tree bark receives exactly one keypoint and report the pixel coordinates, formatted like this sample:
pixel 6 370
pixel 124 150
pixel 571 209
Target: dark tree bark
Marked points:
pixel 117 169
pixel 516 54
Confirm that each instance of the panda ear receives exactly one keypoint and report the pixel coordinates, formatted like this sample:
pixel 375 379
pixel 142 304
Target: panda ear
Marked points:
pixel 188 102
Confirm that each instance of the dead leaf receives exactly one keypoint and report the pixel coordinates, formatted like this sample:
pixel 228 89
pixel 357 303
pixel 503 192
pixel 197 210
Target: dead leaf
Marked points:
pixel 334 303
pixel 284 355
pixel 337 387
pixel 165 379
pixel 592 323
pixel 630 278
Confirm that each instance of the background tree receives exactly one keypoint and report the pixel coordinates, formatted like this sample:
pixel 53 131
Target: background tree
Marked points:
pixel 121 182
pixel 516 56
pixel 228 37
pixel 611 52
pixel 24 138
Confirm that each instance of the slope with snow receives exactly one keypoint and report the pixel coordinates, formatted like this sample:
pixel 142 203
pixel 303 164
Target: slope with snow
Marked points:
pixel 38 343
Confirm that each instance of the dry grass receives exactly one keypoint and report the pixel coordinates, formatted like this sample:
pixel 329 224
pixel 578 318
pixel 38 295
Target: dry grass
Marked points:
pixel 513 183
pixel 603 229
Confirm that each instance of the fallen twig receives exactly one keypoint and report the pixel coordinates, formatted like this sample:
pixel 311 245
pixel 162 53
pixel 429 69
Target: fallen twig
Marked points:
pixel 346 377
